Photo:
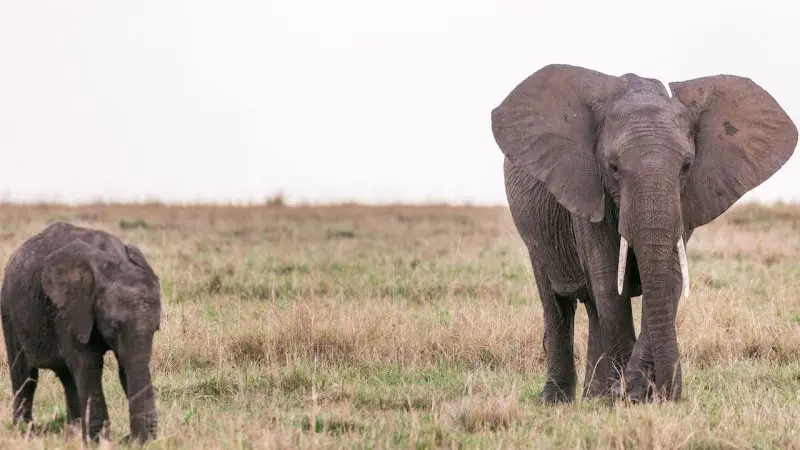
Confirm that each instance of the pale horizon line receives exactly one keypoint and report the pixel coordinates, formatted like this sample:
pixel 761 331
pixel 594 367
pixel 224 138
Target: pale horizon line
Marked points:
pixel 282 201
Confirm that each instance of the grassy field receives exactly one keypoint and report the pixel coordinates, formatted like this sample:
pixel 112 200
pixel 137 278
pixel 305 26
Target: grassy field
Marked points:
pixel 354 326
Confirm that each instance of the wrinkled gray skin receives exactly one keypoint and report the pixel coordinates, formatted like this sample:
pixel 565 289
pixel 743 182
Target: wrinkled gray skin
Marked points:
pixel 590 158
pixel 69 295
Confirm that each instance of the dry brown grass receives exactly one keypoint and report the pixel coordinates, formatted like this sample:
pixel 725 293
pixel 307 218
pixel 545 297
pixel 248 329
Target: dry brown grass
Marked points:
pixel 405 326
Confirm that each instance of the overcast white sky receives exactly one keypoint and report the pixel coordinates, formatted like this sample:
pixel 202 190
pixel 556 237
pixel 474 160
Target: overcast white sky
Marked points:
pixel 331 100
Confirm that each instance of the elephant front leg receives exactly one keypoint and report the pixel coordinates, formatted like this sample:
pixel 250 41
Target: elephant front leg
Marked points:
pixel 88 376
pixel 611 341
pixel 71 394
pixel 559 320
pixel 639 378
pixel 594 383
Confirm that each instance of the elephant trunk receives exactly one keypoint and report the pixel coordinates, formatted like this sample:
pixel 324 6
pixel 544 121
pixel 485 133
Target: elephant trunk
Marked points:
pixel 654 224
pixel 141 399
pixel 660 292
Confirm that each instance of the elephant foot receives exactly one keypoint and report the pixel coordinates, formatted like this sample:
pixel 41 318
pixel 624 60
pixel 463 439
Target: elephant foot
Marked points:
pixel 596 388
pixel 97 433
pixel 553 393
pixel 635 387
pixel 601 383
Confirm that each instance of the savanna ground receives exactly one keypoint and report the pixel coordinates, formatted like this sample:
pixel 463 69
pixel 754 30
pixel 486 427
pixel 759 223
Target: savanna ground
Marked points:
pixel 399 326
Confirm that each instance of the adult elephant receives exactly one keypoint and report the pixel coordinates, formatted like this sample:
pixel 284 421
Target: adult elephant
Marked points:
pixel 606 178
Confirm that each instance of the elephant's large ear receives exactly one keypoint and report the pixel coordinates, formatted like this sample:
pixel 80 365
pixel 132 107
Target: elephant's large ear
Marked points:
pixel 742 137
pixel 137 257
pixel 547 126
pixel 70 280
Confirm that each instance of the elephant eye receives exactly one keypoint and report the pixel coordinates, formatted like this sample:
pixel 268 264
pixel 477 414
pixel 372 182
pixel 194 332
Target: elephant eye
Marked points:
pixel 687 164
pixel 613 167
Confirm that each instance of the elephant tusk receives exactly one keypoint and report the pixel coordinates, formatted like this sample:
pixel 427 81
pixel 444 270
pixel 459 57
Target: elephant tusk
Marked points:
pixel 684 267
pixel 623 260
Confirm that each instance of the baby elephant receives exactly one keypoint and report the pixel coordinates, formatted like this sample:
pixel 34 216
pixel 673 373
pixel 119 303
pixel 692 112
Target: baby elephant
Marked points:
pixel 69 295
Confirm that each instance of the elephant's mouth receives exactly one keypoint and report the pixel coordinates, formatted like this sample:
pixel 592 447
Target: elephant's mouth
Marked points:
pixel 633 271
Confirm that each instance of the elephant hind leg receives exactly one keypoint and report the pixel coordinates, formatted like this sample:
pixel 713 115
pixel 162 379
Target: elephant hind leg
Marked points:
pixel 559 327
pixel 23 377
pixel 23 382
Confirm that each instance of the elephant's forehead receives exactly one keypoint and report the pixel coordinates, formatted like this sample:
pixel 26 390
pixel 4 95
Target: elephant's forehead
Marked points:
pixel 641 124
pixel 643 109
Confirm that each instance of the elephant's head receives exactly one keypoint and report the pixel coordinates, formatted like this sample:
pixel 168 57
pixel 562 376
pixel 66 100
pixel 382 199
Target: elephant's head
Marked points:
pixel 118 297
pixel 622 148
